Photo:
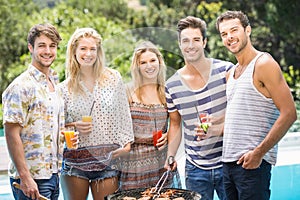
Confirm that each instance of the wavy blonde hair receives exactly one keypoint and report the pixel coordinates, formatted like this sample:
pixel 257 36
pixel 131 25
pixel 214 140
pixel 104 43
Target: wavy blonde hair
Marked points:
pixel 137 79
pixel 72 65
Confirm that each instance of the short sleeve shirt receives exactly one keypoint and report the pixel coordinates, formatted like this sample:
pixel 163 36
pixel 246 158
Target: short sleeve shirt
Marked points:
pixel 27 101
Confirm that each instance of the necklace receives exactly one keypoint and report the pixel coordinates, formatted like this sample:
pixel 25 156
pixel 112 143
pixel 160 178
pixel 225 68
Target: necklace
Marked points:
pixel 238 71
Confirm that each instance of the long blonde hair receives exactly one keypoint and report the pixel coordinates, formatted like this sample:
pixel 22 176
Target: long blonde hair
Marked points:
pixel 137 79
pixel 72 65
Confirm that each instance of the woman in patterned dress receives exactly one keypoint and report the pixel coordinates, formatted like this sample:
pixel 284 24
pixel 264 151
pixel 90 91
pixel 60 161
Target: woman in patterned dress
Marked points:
pixel 90 84
pixel 144 165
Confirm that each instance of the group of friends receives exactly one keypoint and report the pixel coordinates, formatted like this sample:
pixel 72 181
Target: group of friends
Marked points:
pixel 250 109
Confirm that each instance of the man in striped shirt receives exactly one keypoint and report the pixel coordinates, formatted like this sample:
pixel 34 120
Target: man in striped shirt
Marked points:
pixel 198 86
pixel 259 112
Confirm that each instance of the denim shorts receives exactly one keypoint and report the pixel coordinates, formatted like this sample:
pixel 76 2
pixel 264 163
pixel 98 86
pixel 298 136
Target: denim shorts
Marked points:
pixel 47 187
pixel 108 172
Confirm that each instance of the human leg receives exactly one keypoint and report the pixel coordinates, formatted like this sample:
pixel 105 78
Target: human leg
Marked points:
pixel 103 188
pixel 104 182
pixel 74 188
pixel 218 182
pixel 254 183
pixel 49 188
pixel 229 186
pixel 199 180
pixel 74 183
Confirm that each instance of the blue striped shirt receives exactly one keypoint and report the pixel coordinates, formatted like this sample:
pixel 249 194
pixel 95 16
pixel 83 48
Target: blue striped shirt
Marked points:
pixel 205 154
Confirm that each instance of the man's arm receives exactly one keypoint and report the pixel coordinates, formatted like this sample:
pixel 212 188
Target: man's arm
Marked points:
pixel 16 152
pixel 269 80
pixel 174 136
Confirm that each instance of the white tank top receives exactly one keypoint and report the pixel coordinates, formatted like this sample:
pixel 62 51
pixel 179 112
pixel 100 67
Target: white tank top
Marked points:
pixel 249 117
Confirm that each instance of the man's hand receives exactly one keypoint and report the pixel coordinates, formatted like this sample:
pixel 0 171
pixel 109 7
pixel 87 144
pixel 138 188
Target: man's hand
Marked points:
pixel 250 160
pixel 170 163
pixel 201 131
pixel 29 188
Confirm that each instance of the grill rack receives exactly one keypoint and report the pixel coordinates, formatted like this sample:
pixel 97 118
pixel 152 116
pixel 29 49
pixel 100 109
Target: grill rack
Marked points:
pixel 137 193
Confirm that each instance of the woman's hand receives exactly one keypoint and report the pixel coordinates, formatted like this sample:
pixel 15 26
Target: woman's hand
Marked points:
pixel 75 139
pixel 121 151
pixel 84 128
pixel 162 141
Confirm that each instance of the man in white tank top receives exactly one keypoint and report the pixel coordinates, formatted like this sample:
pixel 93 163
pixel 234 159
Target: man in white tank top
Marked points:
pixel 260 110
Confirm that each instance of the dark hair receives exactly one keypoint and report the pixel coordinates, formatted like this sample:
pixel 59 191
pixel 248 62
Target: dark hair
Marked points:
pixel 233 15
pixel 43 29
pixel 191 22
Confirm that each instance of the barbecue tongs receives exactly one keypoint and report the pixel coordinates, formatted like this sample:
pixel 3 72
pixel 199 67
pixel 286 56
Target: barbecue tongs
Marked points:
pixel 160 183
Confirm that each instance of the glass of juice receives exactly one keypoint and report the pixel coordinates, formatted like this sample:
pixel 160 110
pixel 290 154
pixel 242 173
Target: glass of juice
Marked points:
pixel 69 135
pixel 204 120
pixel 86 118
pixel 156 135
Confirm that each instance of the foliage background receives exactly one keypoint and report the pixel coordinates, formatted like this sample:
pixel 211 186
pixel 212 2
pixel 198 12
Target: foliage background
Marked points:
pixel 275 29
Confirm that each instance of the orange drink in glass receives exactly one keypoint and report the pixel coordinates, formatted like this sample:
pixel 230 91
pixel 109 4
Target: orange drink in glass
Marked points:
pixel 86 118
pixel 69 135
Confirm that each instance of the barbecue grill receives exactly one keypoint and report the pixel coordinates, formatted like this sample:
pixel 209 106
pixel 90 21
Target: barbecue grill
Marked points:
pixel 137 193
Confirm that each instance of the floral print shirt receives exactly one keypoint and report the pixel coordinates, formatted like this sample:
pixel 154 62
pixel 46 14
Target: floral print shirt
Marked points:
pixel 26 101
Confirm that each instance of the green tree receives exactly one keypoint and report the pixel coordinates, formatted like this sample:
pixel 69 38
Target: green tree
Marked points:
pixel 13 33
pixel 274 28
pixel 274 22
pixel 67 19
pixel 115 10
pixel 16 20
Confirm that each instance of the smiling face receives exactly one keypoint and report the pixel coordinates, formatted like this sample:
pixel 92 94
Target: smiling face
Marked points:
pixel 149 67
pixel 234 36
pixel 43 52
pixel 86 52
pixel 192 44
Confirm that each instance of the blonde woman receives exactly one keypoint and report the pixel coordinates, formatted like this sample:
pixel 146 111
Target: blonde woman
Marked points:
pixel 144 165
pixel 91 85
